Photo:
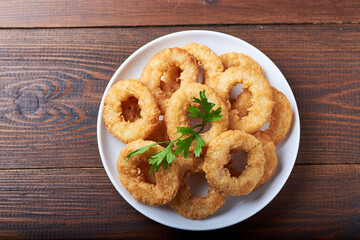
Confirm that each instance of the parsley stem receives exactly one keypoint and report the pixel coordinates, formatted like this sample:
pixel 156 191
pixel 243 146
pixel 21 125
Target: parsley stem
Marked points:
pixel 199 125
pixel 158 143
pixel 202 127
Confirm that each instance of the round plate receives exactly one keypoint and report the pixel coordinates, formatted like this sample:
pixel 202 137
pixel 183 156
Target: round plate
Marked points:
pixel 236 209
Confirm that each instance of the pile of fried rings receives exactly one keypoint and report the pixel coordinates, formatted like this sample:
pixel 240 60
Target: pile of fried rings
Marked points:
pixel 147 110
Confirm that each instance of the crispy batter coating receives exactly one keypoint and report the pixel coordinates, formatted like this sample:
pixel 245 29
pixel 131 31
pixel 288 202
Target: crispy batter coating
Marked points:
pixel 218 156
pixel 196 207
pixel 191 163
pixel 133 177
pixel 281 115
pixel 232 59
pixel 127 131
pixel 270 157
pixel 207 60
pixel 160 63
pixel 262 103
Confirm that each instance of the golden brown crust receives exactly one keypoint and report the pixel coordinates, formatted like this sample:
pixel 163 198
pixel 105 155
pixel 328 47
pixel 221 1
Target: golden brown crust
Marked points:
pixel 232 59
pixel 281 117
pixel 270 157
pixel 218 156
pixel 160 63
pixel 196 207
pixel 207 60
pixel 258 85
pixel 133 178
pixel 115 122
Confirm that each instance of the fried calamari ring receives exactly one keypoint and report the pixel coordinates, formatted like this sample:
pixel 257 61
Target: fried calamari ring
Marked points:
pixel 270 157
pixel 162 62
pixel 259 87
pixel 196 207
pixel 133 177
pixel 281 115
pixel 207 60
pixel 175 115
pixel 127 131
pixel 233 59
pixel 218 156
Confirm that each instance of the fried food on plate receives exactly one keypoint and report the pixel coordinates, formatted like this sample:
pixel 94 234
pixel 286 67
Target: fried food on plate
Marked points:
pixel 127 131
pixel 133 175
pixel 218 156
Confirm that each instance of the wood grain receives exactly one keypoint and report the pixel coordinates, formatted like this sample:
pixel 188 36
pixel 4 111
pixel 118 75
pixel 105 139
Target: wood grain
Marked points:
pixel 52 81
pixel 82 203
pixel 89 13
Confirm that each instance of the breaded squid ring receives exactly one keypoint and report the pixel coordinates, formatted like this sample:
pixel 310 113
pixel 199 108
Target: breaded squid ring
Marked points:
pixel 218 155
pixel 270 157
pixel 258 85
pixel 162 62
pixel 196 207
pixel 115 122
pixel 233 59
pixel 281 115
pixel 175 115
pixel 133 177
pixel 208 60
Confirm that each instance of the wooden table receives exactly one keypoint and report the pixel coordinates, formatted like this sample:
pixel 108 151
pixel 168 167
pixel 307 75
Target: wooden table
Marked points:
pixel 56 58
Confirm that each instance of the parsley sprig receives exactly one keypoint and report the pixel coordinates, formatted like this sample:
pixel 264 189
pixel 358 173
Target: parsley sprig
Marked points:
pixel 191 134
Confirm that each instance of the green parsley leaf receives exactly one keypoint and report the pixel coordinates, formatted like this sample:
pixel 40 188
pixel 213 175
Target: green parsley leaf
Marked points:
pixel 158 158
pixel 195 112
pixel 140 150
pixel 207 106
pixel 209 114
pixel 199 144
pixel 214 115
pixel 185 130
pixel 184 145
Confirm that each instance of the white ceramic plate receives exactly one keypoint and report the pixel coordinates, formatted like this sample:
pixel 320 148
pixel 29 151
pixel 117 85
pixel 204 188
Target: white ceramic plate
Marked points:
pixel 236 209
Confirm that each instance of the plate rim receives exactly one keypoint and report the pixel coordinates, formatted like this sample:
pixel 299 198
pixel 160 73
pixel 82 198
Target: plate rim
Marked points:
pixel 114 78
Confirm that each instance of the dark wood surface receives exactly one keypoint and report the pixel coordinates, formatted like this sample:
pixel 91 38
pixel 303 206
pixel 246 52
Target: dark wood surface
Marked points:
pixel 56 58
pixel 85 13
